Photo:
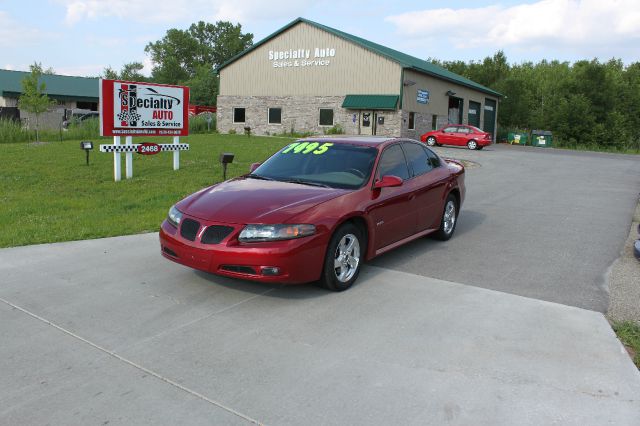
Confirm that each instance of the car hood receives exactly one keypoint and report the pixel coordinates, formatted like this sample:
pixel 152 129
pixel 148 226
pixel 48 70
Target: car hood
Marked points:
pixel 245 200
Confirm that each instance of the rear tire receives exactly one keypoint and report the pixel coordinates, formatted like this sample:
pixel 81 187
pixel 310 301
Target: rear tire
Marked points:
pixel 344 258
pixel 449 219
pixel 472 144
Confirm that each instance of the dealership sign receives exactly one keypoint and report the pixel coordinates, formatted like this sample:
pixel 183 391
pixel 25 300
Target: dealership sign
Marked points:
pixel 298 58
pixel 143 109
pixel 129 108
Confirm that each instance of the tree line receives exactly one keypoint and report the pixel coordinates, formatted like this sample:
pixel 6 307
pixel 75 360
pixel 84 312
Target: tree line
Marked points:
pixel 189 58
pixel 587 103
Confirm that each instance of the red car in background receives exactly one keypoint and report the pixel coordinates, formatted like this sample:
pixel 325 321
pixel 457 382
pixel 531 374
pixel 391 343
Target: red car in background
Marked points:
pixel 458 134
pixel 316 211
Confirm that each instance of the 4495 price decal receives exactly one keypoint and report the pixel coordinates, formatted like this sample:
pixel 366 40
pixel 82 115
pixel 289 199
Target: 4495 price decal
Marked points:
pixel 307 148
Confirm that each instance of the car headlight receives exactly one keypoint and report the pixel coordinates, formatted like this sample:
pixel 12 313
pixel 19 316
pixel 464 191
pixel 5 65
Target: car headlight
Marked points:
pixel 174 216
pixel 254 233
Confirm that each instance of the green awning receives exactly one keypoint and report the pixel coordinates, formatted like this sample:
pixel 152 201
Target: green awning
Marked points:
pixel 377 102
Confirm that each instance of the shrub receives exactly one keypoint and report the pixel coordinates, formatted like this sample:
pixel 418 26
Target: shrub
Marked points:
pixel 232 131
pixel 11 131
pixel 198 123
pixel 335 130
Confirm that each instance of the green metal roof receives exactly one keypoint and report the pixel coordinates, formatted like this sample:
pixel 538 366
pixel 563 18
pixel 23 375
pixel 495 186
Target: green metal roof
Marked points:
pixel 406 61
pixel 370 102
pixel 58 86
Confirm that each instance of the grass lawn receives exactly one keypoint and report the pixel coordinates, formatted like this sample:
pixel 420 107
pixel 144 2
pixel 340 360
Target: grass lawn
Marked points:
pixel 629 333
pixel 48 193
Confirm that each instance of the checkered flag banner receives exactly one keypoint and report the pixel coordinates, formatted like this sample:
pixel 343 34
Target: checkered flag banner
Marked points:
pixel 134 147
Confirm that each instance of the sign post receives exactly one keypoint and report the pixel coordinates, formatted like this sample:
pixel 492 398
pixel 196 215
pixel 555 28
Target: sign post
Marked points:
pixel 142 109
pixel 117 173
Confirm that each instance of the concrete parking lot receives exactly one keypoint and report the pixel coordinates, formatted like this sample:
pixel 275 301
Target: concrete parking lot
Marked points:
pixel 105 332
pixel 108 332
pixel 541 223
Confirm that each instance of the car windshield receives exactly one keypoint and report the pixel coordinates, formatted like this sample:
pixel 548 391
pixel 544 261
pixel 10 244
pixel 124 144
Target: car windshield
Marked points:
pixel 320 163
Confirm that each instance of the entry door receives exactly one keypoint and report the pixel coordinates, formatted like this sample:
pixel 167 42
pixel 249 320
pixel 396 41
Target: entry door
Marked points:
pixel 490 117
pixel 474 114
pixel 366 122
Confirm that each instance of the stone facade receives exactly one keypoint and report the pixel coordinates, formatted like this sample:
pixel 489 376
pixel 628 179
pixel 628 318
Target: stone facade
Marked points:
pixel 299 114
pixel 422 123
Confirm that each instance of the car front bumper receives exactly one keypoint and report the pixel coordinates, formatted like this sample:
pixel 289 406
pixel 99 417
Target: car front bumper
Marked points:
pixel 289 261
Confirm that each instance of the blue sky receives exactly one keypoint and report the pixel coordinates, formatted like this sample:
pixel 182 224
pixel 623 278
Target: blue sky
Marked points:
pixel 82 37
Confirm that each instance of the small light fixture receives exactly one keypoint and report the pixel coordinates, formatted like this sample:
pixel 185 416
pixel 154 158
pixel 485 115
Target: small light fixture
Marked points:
pixel 450 93
pixel 226 158
pixel 408 83
pixel 86 146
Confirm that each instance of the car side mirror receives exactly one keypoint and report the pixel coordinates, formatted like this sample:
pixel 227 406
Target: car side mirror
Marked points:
pixel 253 167
pixel 388 181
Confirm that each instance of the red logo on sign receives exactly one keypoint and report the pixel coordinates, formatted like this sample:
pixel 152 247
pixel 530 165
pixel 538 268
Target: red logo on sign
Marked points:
pixel 148 148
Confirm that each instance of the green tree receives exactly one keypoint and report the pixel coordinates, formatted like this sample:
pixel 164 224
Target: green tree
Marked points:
pixel 34 98
pixel 131 71
pixel 190 56
pixel 203 86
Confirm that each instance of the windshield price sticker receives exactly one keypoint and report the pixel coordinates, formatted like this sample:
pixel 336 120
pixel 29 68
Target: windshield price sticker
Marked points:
pixel 307 148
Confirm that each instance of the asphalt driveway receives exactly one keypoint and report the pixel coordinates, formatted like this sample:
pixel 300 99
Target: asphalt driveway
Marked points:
pixel 107 332
pixel 537 222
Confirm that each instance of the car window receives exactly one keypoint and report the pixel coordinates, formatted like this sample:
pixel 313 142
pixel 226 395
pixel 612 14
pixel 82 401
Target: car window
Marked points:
pixel 463 130
pixel 450 129
pixel 417 158
pixel 317 162
pixel 392 162
pixel 434 160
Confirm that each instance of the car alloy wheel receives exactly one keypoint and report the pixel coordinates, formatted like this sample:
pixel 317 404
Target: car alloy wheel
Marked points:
pixel 472 144
pixel 449 219
pixel 343 259
pixel 431 141
pixel 347 258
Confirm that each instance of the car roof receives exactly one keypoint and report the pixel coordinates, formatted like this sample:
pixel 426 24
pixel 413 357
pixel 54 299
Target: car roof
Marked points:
pixel 353 140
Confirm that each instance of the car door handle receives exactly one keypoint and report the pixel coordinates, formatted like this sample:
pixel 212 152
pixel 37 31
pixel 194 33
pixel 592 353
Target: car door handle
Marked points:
pixel 412 197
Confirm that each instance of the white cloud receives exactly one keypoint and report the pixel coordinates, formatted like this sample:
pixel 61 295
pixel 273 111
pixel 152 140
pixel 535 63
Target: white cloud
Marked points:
pixel 87 70
pixel 180 10
pixel 546 23
pixel 14 34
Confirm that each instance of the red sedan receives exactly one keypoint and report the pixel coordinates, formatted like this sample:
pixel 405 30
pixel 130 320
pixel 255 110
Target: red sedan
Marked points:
pixel 458 134
pixel 316 210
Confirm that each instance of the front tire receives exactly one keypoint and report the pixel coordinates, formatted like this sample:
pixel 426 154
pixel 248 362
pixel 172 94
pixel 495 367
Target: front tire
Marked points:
pixel 449 219
pixel 431 141
pixel 472 144
pixel 343 260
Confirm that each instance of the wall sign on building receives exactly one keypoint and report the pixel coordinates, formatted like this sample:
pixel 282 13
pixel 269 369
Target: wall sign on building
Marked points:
pixel 129 108
pixel 423 96
pixel 297 58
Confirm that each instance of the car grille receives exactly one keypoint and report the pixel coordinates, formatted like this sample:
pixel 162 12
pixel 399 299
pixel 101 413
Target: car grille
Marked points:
pixel 215 233
pixel 240 269
pixel 189 229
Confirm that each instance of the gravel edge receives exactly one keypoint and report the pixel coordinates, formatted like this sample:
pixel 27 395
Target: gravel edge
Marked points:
pixel 624 280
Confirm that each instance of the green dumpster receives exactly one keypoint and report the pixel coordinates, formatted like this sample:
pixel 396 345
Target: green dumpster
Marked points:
pixel 517 138
pixel 541 138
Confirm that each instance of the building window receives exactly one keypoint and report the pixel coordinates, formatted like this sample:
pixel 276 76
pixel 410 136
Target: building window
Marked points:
pixel 275 115
pixel 326 117
pixel 412 121
pixel 434 122
pixel 238 115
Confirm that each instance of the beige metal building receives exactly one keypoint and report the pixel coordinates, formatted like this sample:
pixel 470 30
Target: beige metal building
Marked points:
pixel 307 77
